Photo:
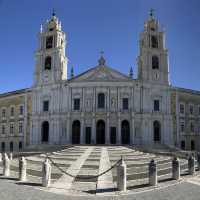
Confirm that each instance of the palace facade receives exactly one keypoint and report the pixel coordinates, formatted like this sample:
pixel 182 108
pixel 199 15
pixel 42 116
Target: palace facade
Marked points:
pixel 101 105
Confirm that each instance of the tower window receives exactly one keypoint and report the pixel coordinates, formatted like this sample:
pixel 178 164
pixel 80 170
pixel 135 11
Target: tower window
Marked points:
pixel 3 112
pixel 11 128
pixel 156 105
pixel 47 65
pixel 125 103
pixel 45 106
pixel 3 129
pixel 76 104
pixel 192 127
pixel 155 62
pixel 21 110
pixel 12 111
pixel 20 127
pixel 49 42
pixel 191 109
pixel 101 100
pixel 154 42
pixel 182 108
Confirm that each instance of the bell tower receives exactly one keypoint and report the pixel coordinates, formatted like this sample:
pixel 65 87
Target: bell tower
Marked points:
pixel 153 58
pixel 51 62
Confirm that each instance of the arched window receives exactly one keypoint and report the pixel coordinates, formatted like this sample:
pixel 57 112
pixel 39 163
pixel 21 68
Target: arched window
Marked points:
pixel 49 42
pixel 154 42
pixel 155 62
pixel 76 132
pixel 101 100
pixel 20 145
pixel 47 65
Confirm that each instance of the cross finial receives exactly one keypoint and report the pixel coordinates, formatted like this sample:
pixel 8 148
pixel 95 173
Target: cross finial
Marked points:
pixel 101 60
pixel 151 13
pixel 53 12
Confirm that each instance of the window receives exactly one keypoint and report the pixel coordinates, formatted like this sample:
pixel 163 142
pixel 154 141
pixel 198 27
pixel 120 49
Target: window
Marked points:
pixel 76 104
pixel 49 42
pixel 4 112
pixel 11 128
pixel 20 127
pixel 192 127
pixel 101 100
pixel 21 110
pixel 198 110
pixel 155 62
pixel 3 129
pixel 125 103
pixel 11 146
pixel 47 65
pixel 46 106
pixel 156 105
pixel 154 42
pixel 182 127
pixel 20 145
pixel 182 108
pixel 12 111
pixel 191 109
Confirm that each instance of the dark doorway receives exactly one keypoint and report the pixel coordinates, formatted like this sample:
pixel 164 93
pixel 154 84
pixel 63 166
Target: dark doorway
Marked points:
pixel 125 132
pixel 76 127
pixel 156 129
pixel 3 146
pixel 192 145
pixel 100 132
pixel 112 135
pixel 88 135
pixel 183 145
pixel 45 131
pixel 20 145
pixel 11 146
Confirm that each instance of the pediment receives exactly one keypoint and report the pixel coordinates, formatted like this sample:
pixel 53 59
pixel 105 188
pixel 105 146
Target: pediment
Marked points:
pixel 101 73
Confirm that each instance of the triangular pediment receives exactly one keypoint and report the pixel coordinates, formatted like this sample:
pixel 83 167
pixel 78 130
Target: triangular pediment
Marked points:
pixel 101 73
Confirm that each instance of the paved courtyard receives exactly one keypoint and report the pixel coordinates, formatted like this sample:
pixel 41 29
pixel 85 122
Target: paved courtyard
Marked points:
pixel 85 163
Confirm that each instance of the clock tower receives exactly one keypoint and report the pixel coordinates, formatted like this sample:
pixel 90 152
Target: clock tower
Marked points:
pixel 153 58
pixel 50 56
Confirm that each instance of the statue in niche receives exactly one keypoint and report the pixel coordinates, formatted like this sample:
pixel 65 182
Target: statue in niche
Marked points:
pixel 113 102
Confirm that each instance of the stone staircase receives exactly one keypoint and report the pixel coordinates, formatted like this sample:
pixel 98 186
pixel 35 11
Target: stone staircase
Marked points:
pixel 89 161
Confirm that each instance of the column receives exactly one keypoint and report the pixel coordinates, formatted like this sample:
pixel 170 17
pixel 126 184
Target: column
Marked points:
pixel 82 129
pixel 93 139
pixel 68 130
pixel 133 130
pixel 119 130
pixel 108 129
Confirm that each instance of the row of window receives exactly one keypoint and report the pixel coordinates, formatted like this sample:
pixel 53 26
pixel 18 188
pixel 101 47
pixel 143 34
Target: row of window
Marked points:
pixel 12 128
pixel 191 109
pixel 101 103
pixel 11 146
pixel 12 111
pixel 191 127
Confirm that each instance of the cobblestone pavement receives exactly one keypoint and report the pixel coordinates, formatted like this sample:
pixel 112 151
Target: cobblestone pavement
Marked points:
pixel 10 190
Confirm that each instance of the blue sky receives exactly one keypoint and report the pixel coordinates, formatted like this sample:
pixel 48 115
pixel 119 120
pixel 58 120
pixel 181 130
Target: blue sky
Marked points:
pixel 94 25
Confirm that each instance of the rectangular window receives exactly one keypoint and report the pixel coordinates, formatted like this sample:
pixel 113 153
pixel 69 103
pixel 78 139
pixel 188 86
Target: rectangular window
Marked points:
pixel 192 127
pixel 11 128
pixel 20 127
pixel 101 100
pixel 76 104
pixel 156 105
pixel 125 103
pixel 12 111
pixel 3 129
pixel 191 109
pixel 46 106
pixel 182 127
pixel 182 109
pixel 4 113
pixel 21 110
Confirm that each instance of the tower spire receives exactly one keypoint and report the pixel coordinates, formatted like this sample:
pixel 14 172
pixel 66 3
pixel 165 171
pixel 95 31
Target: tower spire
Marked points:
pixel 151 13
pixel 131 72
pixel 53 12
pixel 72 72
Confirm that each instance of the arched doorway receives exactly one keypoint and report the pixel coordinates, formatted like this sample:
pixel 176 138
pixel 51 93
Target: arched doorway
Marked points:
pixel 76 127
pixel 100 132
pixel 125 132
pixel 157 131
pixel 192 145
pixel 45 131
